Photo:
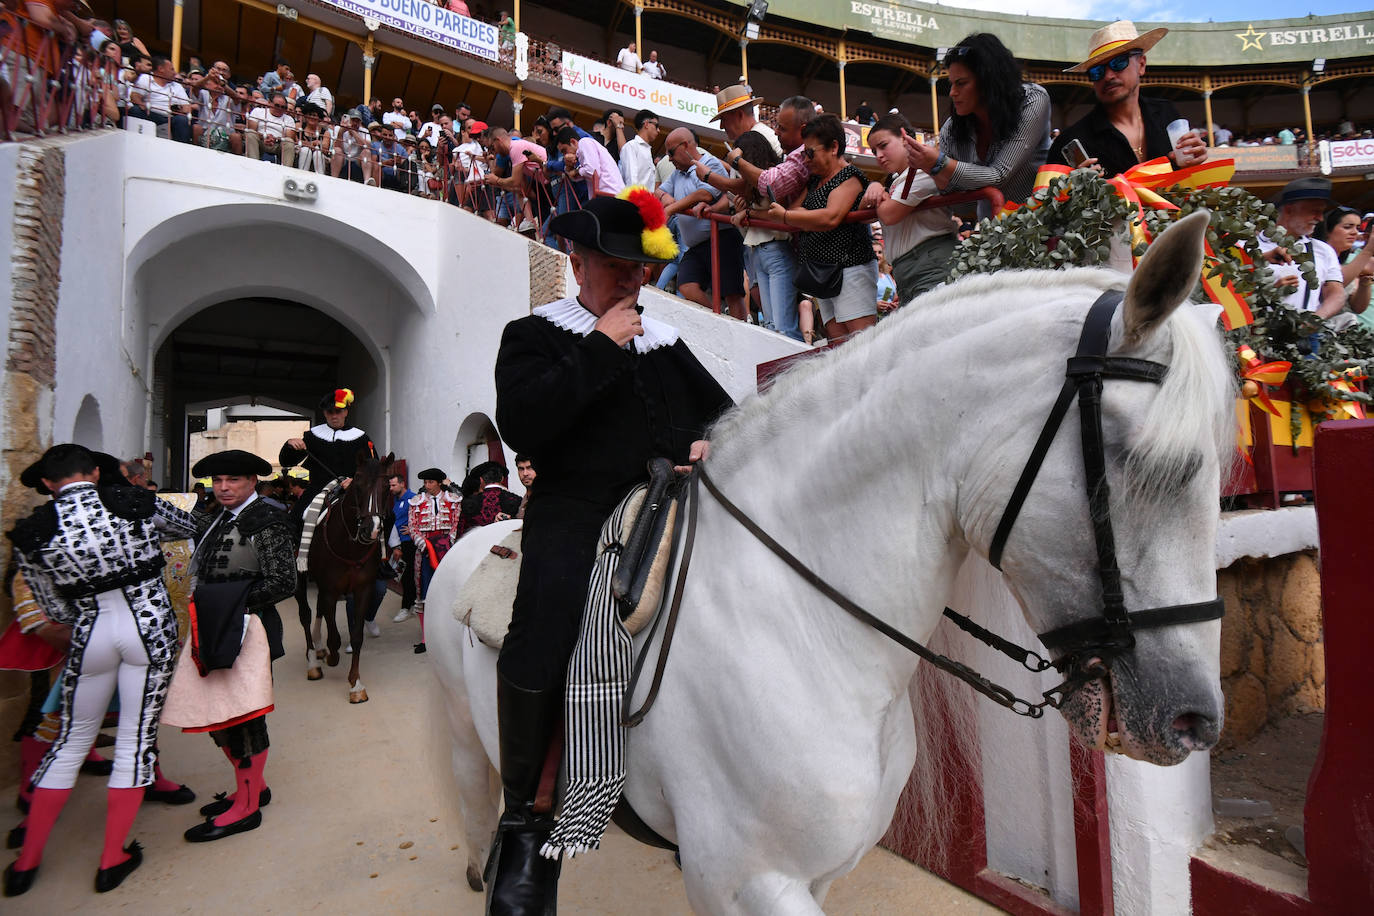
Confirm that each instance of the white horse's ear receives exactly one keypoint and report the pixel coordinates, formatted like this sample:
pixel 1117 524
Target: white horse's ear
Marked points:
pixel 1165 277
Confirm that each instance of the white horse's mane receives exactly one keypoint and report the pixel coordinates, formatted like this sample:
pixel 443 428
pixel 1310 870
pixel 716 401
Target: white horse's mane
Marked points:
pixel 1193 405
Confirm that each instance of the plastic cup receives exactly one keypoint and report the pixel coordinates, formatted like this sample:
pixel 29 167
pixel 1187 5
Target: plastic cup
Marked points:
pixel 1176 131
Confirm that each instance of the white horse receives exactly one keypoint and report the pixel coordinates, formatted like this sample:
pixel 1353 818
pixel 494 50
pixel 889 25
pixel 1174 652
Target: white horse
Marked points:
pixel 783 735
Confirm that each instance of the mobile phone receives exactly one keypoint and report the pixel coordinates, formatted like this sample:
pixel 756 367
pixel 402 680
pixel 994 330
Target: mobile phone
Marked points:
pixel 1074 153
pixel 768 189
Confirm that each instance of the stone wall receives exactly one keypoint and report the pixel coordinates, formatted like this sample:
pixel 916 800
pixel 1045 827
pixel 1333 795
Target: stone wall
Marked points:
pixel 1272 660
pixel 39 202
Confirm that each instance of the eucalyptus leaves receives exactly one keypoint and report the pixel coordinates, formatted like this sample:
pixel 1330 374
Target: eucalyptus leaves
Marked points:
pixel 1075 220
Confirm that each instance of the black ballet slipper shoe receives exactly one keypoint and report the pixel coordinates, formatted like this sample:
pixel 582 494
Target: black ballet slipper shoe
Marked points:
pixel 420 648
pixel 18 882
pixel 181 795
pixel 222 803
pixel 97 767
pixel 210 831
pixel 107 879
pixel 15 840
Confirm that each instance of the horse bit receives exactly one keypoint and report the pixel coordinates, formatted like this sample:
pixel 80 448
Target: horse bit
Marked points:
pixel 1086 645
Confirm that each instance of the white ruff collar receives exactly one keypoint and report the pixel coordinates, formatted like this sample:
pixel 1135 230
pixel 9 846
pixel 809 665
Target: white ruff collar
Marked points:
pixel 569 315
pixel 322 431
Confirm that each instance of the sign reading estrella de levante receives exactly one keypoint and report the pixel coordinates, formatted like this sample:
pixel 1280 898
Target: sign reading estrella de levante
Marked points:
pixel 427 20
pixel 633 91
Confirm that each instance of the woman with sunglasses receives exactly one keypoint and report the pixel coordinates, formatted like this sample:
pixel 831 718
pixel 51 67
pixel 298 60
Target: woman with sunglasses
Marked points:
pixel 1123 129
pixel 1000 130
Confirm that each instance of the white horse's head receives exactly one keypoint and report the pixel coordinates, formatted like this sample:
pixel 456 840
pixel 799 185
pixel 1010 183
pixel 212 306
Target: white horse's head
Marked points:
pixel 1166 447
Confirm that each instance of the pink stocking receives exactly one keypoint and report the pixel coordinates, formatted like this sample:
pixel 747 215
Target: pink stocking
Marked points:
pixel 123 808
pixel 47 805
pixel 250 783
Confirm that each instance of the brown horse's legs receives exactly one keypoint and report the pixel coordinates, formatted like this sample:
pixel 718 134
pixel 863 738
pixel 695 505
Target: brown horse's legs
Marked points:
pixel 303 607
pixel 362 596
pixel 326 605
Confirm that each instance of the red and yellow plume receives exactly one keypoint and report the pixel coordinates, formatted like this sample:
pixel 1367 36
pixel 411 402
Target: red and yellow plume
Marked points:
pixel 343 397
pixel 657 238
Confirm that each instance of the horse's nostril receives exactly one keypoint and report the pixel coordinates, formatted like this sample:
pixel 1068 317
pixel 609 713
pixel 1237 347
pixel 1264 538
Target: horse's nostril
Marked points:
pixel 1196 731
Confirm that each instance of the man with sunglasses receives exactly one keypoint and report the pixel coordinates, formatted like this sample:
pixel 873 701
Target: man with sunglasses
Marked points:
pixel 1124 129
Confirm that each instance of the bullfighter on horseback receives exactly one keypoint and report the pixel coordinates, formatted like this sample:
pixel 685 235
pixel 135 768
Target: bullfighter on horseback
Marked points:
pixel 592 390
pixel 328 450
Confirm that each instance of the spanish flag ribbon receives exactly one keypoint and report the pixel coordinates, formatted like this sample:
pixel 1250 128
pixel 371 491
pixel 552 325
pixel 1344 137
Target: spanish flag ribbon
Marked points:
pixel 1256 374
pixel 1352 410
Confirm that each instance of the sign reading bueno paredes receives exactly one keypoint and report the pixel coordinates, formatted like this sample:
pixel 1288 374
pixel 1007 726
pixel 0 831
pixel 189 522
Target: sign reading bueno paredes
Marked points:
pixel 633 91
pixel 426 20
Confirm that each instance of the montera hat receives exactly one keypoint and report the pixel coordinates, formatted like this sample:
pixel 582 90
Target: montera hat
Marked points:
pixel 1311 188
pixel 337 399
pixel 630 226
pixel 1117 38
pixel 32 476
pixel 736 95
pixel 433 474
pixel 232 463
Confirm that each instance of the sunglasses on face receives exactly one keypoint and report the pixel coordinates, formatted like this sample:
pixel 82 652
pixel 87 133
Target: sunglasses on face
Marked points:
pixel 810 151
pixel 1118 63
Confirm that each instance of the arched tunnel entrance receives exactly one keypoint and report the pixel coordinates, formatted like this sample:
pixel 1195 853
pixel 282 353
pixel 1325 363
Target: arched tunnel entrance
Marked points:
pixel 276 355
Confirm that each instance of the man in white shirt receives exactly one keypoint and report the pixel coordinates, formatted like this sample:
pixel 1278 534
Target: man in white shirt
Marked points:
pixel 219 109
pixel 159 98
pixel 432 129
pixel 352 156
pixel 271 131
pixel 1301 206
pixel 653 69
pixel 637 156
pixel 397 119
pixel 315 92
pixel 735 111
pixel 628 59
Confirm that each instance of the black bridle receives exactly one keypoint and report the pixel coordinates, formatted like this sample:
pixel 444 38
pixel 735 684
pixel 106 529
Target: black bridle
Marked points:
pixel 1084 648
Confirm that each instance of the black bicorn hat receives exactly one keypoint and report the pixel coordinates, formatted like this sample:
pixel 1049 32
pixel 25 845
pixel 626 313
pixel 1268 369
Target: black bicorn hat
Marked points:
pixel 234 462
pixel 110 472
pixel 616 228
pixel 433 474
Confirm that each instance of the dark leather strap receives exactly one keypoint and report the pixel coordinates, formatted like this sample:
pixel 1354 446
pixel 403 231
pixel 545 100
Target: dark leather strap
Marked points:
pixel 689 537
pixel 1094 629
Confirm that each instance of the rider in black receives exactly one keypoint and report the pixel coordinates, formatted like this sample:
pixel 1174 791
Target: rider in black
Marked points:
pixel 328 450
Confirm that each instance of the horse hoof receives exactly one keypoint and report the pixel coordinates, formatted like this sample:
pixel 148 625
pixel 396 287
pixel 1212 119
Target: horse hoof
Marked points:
pixel 332 659
pixel 474 877
pixel 313 674
pixel 357 696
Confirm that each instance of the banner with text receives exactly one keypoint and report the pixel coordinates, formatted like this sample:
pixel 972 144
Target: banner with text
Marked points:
pixel 633 91
pixel 1347 154
pixel 426 20
pixel 1274 158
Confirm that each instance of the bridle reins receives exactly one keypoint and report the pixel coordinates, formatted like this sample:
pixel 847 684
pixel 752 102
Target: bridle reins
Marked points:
pixel 1085 647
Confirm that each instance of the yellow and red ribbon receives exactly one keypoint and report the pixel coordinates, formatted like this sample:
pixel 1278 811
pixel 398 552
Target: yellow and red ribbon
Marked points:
pixel 1352 410
pixel 1261 374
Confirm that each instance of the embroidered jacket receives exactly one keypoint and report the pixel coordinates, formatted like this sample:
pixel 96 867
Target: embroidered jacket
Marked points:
pixel 257 544
pixel 482 507
pixel 435 514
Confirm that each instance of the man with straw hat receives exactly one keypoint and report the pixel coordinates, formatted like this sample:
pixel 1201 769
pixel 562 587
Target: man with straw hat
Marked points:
pixel 1123 129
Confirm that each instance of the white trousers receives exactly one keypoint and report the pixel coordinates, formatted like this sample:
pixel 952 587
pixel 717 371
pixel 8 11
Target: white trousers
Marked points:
pixel 114 659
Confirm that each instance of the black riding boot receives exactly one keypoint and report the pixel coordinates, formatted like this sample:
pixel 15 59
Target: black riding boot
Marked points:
pixel 521 882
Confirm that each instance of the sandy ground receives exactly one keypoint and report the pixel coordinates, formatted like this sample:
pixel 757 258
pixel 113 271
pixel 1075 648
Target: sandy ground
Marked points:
pixel 357 824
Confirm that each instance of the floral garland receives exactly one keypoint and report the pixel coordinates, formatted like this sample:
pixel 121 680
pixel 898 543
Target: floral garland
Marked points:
pixel 1074 220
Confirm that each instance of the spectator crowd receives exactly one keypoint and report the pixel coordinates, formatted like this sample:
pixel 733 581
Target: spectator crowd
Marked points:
pixel 796 243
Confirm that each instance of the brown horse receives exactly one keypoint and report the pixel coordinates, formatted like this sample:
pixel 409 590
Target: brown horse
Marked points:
pixel 345 553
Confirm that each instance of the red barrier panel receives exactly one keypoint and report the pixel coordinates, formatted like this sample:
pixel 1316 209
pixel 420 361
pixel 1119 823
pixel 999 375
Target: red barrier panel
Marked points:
pixel 1340 793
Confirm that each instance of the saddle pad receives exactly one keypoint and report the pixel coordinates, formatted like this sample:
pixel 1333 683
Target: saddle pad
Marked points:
pixel 485 601
pixel 314 517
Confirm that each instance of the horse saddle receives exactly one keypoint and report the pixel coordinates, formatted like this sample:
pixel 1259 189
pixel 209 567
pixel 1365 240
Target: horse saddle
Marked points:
pixel 648 517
